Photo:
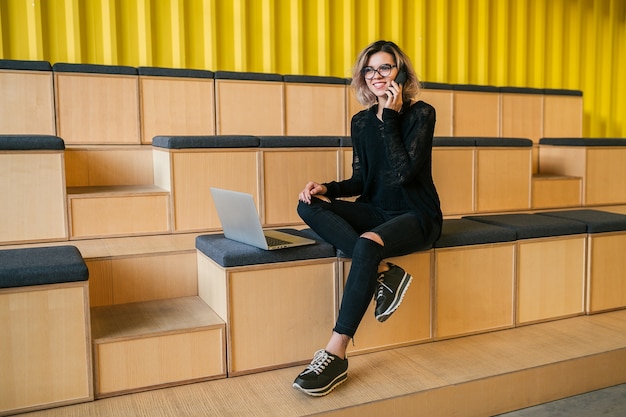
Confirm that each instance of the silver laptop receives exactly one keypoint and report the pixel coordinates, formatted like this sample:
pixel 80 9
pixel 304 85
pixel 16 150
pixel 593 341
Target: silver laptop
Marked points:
pixel 240 222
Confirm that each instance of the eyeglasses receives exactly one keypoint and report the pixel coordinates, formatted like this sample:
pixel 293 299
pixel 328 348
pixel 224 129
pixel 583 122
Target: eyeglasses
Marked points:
pixel 384 70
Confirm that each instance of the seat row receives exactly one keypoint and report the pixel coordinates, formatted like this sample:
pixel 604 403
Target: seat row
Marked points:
pixel 473 175
pixel 100 104
pixel 485 273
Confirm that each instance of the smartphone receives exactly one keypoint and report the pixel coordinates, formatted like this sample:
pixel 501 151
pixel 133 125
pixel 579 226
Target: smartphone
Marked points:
pixel 401 77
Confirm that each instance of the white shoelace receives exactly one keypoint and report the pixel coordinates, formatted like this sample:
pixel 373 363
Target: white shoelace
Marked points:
pixel 320 361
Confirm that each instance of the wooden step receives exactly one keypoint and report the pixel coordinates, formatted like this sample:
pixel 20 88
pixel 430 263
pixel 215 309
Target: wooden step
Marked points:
pixel 156 343
pixel 478 375
pixel 105 211
pixel 556 191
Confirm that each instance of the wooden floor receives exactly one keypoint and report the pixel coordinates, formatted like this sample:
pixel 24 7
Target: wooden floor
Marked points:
pixel 479 375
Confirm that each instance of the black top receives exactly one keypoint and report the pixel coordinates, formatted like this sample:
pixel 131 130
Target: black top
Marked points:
pixel 392 162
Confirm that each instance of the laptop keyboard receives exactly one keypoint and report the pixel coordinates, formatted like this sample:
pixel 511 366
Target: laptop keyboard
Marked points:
pixel 272 241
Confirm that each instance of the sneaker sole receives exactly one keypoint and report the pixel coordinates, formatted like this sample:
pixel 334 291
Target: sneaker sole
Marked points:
pixel 404 285
pixel 320 392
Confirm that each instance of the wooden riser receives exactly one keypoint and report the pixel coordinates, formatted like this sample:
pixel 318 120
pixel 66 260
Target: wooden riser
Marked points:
pixel 477 375
pixel 117 211
pixel 156 343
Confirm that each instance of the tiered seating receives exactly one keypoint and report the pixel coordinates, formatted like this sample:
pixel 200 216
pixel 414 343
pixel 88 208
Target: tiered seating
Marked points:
pixel 144 146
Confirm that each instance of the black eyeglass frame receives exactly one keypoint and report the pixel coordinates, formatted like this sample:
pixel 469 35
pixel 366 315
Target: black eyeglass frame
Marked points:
pixel 378 70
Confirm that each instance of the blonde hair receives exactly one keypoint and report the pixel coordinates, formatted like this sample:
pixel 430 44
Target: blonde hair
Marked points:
pixel 411 87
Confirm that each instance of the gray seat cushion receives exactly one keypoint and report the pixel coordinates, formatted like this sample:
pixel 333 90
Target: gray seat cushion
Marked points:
pixel 528 226
pixel 191 142
pixel 39 266
pixel 31 143
pixel 229 253
pixel 596 221
pixel 464 232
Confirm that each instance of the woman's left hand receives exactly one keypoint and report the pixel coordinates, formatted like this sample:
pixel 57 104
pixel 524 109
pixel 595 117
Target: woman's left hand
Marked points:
pixel 394 97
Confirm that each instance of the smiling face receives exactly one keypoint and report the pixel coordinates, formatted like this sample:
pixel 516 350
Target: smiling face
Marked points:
pixel 379 84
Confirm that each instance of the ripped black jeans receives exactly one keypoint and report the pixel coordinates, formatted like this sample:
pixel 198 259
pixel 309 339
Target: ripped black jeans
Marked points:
pixel 341 223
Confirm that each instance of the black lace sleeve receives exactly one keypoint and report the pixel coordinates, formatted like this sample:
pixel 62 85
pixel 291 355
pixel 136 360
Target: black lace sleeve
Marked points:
pixel 409 140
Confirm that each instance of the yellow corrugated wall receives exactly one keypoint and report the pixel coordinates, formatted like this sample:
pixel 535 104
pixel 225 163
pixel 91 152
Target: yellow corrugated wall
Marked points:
pixel 569 44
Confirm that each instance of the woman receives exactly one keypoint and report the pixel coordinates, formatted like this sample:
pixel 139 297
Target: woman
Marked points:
pixel 397 211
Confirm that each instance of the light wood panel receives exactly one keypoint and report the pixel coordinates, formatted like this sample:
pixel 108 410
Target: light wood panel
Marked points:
pixel 44 347
pixel 454 176
pixel 408 325
pixel 353 107
pixel 605 182
pixel 189 174
pixel 442 101
pixel 556 191
pixel 551 278
pixel 176 106
pixel 27 102
pixel 149 277
pixel 143 345
pixel 108 165
pixel 474 288
pixel 117 211
pixel 285 172
pixel 97 108
pixel 277 314
pixel 315 109
pixel 522 117
pixel 476 114
pixel 503 179
pixel 562 116
pixel 32 185
pixel 249 107
pixel 607 263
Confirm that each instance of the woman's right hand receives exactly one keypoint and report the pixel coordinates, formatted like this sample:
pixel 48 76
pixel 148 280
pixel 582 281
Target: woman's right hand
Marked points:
pixel 313 189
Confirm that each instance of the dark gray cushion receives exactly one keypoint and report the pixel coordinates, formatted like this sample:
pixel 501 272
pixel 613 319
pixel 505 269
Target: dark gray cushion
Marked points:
pixel 562 92
pixel 441 141
pixel 476 88
pixel 527 226
pixel 94 69
pixel 298 141
pixel 504 142
pixel 596 221
pixel 313 79
pixel 247 76
pixel 521 90
pixel 583 141
pixel 229 253
pixel 39 266
pixel 17 64
pixel 31 142
pixel 345 141
pixel 426 85
pixel 190 142
pixel 174 72
pixel 464 232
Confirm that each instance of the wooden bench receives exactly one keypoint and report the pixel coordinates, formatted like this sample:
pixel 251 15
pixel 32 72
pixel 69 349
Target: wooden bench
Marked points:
pixel 606 245
pixel 279 306
pixel 549 265
pixel 474 278
pixel 45 349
